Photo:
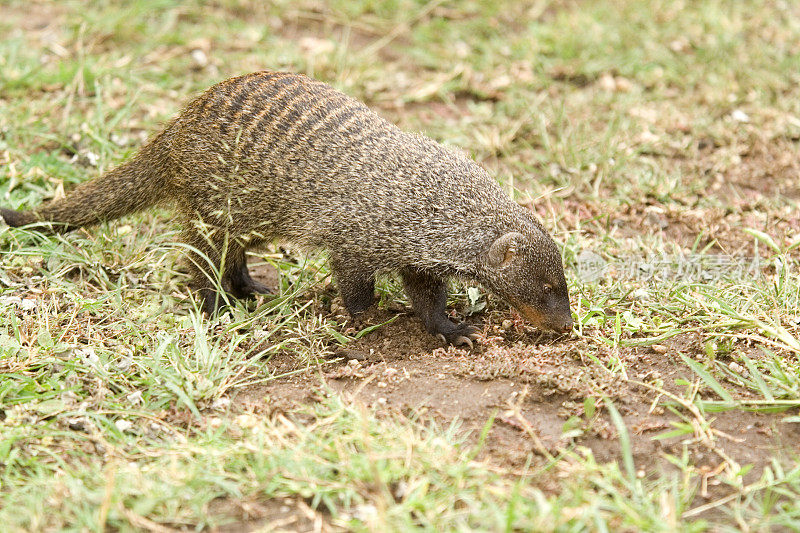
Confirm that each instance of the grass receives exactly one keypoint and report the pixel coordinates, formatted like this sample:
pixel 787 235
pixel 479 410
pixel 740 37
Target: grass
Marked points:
pixel 655 135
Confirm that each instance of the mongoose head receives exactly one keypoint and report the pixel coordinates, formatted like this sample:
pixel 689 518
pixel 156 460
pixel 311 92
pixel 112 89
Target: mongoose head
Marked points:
pixel 526 271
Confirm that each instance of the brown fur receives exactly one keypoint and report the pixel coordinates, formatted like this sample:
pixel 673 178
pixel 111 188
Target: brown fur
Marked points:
pixel 274 155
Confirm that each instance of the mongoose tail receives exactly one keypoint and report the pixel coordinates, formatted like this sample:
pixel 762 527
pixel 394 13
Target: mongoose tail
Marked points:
pixel 130 187
pixel 16 219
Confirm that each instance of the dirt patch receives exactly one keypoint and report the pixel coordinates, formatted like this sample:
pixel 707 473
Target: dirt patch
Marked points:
pixel 765 168
pixel 537 389
pixel 42 19
pixel 536 386
pixel 287 514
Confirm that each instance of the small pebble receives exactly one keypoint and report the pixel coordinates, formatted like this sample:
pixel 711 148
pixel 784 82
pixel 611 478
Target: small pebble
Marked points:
pixel 199 57
pixel 736 367
pixel 740 116
pixel 659 348
pixel 135 397
pixel 221 403
pixel 641 295
pixel 123 425
pixel 366 512
pixel 26 304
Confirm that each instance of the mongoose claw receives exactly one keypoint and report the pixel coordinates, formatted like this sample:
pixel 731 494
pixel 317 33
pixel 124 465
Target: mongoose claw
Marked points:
pixel 464 341
pixel 462 336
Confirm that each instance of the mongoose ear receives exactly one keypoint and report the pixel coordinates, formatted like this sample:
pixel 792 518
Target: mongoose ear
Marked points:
pixel 503 250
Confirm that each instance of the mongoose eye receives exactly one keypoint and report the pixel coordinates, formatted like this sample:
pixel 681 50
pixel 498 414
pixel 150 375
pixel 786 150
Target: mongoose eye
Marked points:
pixel 547 288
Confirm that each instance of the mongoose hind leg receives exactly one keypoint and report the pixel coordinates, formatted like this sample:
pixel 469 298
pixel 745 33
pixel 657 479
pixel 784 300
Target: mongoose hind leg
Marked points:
pixel 428 294
pixel 356 286
pixel 239 280
pixel 204 259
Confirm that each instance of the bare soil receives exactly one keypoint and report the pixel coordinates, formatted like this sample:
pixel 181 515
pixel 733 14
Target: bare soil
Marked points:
pixel 520 383
pixel 532 388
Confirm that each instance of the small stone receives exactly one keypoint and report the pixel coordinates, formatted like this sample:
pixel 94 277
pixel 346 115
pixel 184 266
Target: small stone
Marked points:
pixel 607 82
pixel 507 324
pixel 316 46
pixel 246 421
pixel 648 137
pixel 135 397
pixel 366 512
pixel 623 85
pixel 118 139
pixel 401 489
pixel 740 116
pixel 123 425
pixel 77 424
pixel 461 49
pixel 679 45
pixel 736 367
pixel 659 348
pixel 199 57
pixel 221 403
pixel 88 355
pixel 26 304
pixel 641 295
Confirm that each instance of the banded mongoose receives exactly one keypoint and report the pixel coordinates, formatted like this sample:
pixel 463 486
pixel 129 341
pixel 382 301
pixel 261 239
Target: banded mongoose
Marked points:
pixel 279 156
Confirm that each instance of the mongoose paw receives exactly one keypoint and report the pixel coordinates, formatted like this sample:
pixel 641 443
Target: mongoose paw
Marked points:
pixel 462 335
pixel 211 302
pixel 253 288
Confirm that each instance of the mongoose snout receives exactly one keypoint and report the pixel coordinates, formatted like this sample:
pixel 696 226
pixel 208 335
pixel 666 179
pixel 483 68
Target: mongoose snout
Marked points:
pixel 278 156
pixel 525 269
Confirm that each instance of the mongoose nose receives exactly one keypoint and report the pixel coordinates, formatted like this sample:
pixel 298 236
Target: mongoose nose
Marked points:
pixel 566 327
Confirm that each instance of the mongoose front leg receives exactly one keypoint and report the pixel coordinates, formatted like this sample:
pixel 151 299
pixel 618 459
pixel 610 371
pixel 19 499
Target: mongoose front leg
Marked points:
pixel 239 280
pixel 428 294
pixel 356 286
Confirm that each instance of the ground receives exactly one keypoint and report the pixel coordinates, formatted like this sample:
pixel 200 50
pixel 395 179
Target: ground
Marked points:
pixel 658 143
